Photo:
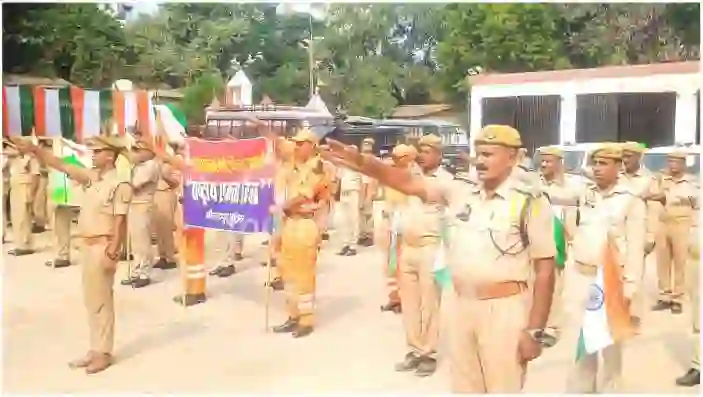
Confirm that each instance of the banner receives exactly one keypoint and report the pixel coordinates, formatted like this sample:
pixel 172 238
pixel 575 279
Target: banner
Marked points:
pixel 229 185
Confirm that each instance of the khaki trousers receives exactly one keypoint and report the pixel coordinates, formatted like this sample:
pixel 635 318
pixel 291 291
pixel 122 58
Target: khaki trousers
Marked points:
pixel 140 237
pixel 5 212
pixel 484 344
pixel 556 314
pixel 694 288
pixel 227 245
pixel 62 232
pixel 349 210
pixel 672 250
pixel 39 209
pixel 298 265
pixel 584 375
pixel 420 296
pixel 366 229
pixel 163 213
pixel 98 297
pixel 21 207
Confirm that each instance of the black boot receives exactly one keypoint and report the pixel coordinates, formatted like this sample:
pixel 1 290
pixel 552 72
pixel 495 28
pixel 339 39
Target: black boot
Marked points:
pixel 391 307
pixel 427 367
pixel 690 379
pixel 141 282
pixel 302 331
pixel 129 280
pixel 661 306
pixel 276 284
pixel 409 363
pixel 226 271
pixel 289 326
pixel 163 264
pixel 190 300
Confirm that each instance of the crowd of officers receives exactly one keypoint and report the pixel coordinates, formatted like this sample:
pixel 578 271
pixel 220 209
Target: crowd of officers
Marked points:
pixel 496 224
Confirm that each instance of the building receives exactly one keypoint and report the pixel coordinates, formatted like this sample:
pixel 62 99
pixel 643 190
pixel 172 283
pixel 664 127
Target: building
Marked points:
pixel 656 104
pixel 437 111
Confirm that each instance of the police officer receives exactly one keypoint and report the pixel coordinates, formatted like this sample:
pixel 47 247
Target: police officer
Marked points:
pixel 145 177
pixel 165 201
pixel 9 152
pixel 553 182
pixel 228 247
pixel 609 212
pixel 350 196
pixel 285 163
pixel 693 375
pixel 640 180
pixel 102 227
pixel 671 242
pixel 367 195
pixel 39 203
pixel 306 188
pixel 24 178
pixel 498 327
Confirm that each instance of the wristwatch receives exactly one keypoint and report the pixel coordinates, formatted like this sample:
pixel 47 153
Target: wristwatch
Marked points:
pixel 536 334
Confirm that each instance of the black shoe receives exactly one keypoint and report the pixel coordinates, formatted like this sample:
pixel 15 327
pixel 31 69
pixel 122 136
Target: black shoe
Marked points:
pixel 391 307
pixel 141 282
pixel 344 250
pixel 265 242
pixel 128 281
pixel 325 236
pixel 58 263
pixel 216 271
pixel 125 257
pixel 190 300
pixel 276 284
pixel 238 257
pixel 409 363
pixel 366 242
pixel 350 252
pixel 226 271
pixel 163 264
pixel 302 331
pixel 38 229
pixel 20 252
pixel 661 306
pixel 289 326
pixel 427 367
pixel 690 379
pixel 676 308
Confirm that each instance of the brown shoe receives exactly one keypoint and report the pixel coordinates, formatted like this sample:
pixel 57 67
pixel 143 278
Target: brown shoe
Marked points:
pixel 83 361
pixel 99 363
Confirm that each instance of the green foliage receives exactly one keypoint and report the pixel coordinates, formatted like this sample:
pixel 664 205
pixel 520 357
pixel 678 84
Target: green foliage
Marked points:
pixel 199 95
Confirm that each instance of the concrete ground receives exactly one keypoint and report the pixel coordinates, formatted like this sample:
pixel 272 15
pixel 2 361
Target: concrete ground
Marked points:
pixel 223 347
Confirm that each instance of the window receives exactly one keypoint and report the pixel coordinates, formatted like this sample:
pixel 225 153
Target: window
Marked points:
pixel 453 136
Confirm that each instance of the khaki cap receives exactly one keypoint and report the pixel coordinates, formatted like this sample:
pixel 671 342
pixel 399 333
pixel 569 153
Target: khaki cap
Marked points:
pixel 404 150
pixel 102 142
pixel 633 147
pixel 677 154
pixel 305 135
pixel 608 151
pixel 368 140
pixel 552 151
pixel 502 135
pixel 431 140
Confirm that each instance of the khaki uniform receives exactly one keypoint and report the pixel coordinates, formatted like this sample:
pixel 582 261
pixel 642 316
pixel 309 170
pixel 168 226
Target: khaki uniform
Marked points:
pixel 617 215
pixel 63 217
pixel 280 198
pixel 322 215
pixel 23 170
pixel 367 192
pixel 640 183
pixel 228 245
pixel 7 156
pixel 491 275
pixel 671 237
pixel 165 200
pixel 694 265
pixel 39 203
pixel 349 205
pixel 145 177
pixel 105 198
pixel 393 207
pixel 420 231
pixel 300 240
pixel 567 215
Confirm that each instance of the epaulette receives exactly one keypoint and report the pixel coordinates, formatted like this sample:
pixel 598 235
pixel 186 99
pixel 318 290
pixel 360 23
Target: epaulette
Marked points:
pixel 464 177
pixel 528 190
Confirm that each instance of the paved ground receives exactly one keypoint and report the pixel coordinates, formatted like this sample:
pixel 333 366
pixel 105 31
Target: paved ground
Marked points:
pixel 222 346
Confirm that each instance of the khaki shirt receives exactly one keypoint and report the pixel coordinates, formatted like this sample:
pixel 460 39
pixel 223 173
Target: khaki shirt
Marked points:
pixel 485 243
pixel 168 170
pixel 560 187
pixel 349 180
pixel 104 198
pixel 280 180
pixel 642 182
pixel 305 179
pixel 145 177
pixel 423 221
pixel 23 169
pixel 620 215
pixel 681 195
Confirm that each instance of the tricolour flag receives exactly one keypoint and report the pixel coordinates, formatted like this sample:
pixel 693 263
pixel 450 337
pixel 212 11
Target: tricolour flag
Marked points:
pixel 559 236
pixel 17 110
pixel 91 110
pixel 173 122
pixel 440 270
pixel 62 190
pixel 606 318
pixel 53 112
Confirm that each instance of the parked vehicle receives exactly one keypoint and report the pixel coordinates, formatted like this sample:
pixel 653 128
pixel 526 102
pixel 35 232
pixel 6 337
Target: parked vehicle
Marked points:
pixel 655 159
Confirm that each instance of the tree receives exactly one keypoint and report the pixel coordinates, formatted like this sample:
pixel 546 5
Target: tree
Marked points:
pixel 80 43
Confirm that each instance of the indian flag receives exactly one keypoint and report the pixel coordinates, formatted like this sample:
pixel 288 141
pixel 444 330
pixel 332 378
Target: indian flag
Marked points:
pixel 17 110
pixel 606 318
pixel 394 250
pixel 62 190
pixel 441 272
pixel 91 110
pixel 53 112
pixel 559 236
pixel 173 121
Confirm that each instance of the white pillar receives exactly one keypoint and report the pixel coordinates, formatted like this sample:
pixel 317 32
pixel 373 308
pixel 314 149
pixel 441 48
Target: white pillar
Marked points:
pixel 567 118
pixel 685 120
pixel 476 117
